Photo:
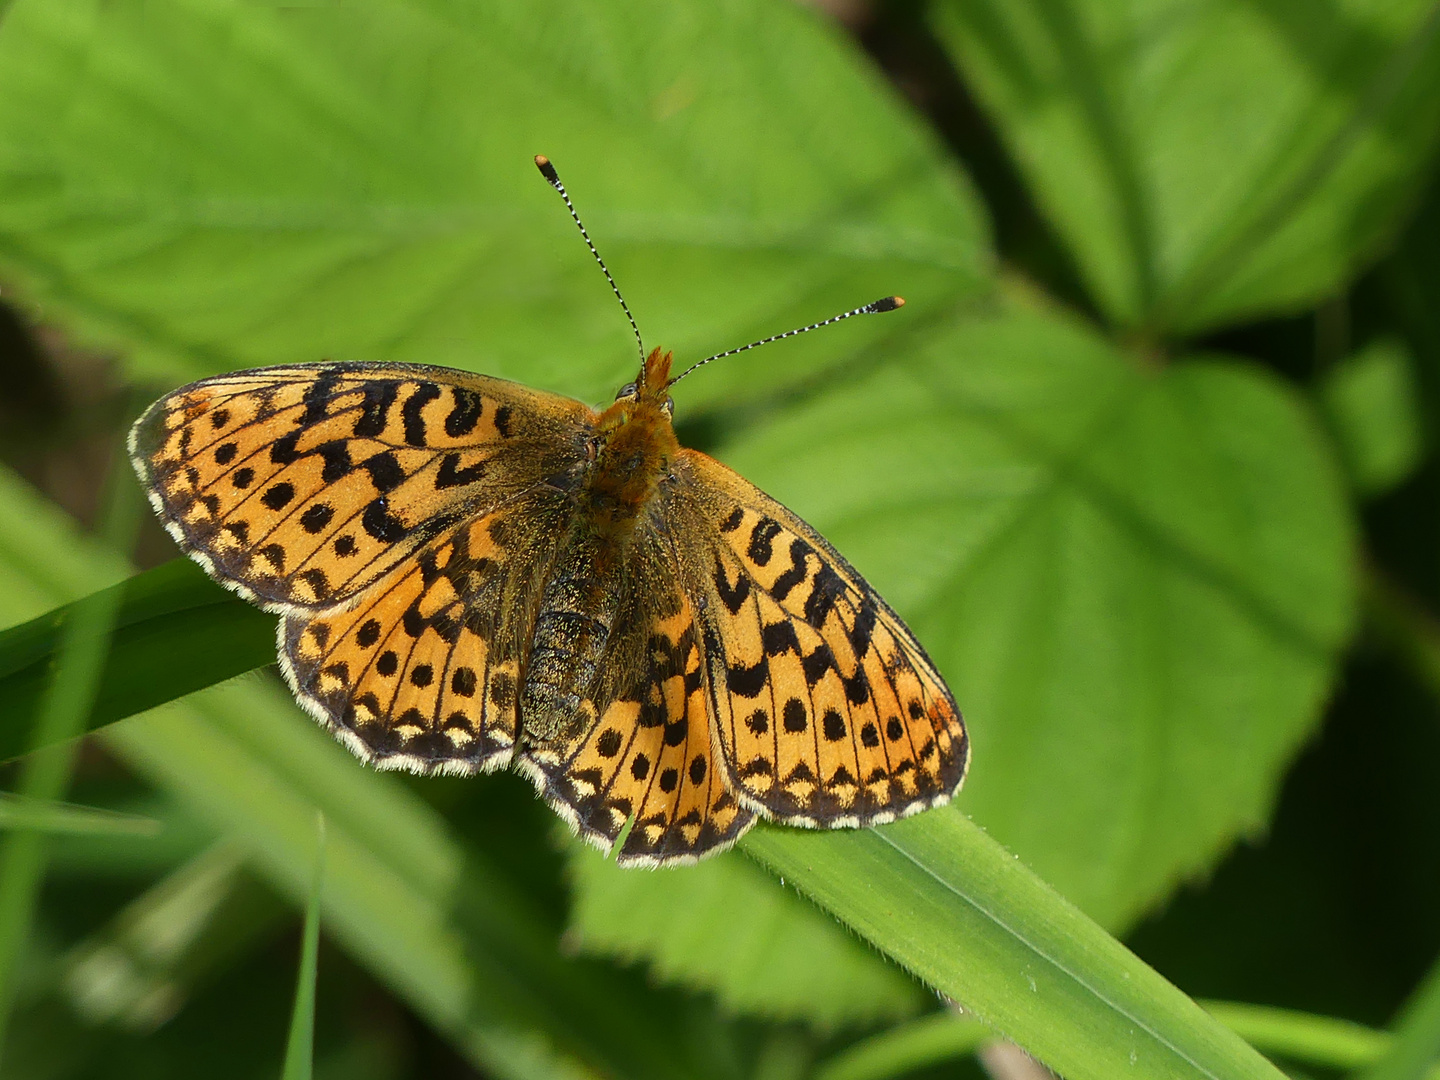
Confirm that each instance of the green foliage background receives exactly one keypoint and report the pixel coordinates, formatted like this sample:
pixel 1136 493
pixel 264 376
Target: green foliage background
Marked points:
pixel 1146 462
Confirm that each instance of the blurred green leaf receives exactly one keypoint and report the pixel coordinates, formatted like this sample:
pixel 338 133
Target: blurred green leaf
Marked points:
pixel 1215 160
pixel 953 906
pixel 18 812
pixel 221 185
pixel 784 958
pixel 1372 403
pixel 1136 581
pixel 300 1047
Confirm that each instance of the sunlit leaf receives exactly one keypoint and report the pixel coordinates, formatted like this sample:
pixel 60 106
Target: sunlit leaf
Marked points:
pixel 234 184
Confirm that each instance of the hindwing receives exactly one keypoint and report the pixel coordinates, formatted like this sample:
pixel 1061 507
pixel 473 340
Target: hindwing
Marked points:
pixel 422 670
pixel 649 753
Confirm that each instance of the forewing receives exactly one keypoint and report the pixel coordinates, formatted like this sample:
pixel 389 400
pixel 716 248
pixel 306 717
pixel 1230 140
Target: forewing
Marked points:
pixel 421 671
pixel 301 486
pixel 651 753
pixel 827 709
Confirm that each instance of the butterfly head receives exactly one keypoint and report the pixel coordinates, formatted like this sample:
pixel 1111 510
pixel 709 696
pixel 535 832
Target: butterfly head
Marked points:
pixel 648 391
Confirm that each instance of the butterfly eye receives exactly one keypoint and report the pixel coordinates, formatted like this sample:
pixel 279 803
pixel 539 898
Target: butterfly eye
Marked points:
pixel 628 390
pixel 669 406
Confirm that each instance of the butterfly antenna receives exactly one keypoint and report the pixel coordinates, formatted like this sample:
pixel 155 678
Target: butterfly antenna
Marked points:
pixel 548 171
pixel 886 303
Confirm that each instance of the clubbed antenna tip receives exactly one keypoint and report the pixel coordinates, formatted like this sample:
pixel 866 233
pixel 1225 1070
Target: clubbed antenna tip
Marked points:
pixel 548 171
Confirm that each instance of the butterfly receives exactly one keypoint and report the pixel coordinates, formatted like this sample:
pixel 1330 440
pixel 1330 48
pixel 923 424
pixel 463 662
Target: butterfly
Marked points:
pixel 471 574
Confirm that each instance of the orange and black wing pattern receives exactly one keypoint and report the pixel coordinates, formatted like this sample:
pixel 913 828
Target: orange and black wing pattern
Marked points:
pixel 300 486
pixel 422 671
pixel 399 517
pixel 649 756
pixel 827 710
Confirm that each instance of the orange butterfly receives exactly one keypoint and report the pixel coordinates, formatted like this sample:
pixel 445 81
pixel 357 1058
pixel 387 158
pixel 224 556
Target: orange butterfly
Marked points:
pixel 472 574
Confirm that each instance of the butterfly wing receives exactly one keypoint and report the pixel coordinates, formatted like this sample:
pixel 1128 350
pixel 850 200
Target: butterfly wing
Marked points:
pixel 650 752
pixel 301 486
pixel 422 670
pixel 826 709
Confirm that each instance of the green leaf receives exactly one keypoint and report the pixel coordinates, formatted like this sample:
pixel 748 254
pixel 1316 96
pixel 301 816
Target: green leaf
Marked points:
pixel 1372 403
pixel 783 958
pixel 237 184
pixel 948 902
pixel 1137 582
pixel 1209 161
pixel 300 1046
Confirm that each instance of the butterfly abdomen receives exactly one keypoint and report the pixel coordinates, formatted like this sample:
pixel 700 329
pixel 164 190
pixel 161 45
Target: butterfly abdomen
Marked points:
pixel 572 629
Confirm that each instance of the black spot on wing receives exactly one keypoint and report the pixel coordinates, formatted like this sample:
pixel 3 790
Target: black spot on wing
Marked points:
pixel 317 397
pixel 733 597
pixel 410 413
pixel 381 524
pixel 502 421
pixel 746 681
pixel 761 536
pixel 777 638
pixel 827 587
pixel 451 475
pixel 385 471
pixel 378 397
pixel 465 413
pixel 336 455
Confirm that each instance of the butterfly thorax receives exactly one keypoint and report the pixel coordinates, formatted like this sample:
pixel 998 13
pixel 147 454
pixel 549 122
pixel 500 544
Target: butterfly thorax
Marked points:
pixel 635 447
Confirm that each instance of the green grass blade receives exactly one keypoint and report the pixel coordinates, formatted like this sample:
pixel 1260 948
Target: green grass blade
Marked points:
pixel 1416 1041
pixel 1305 1038
pixel 63 710
pixel 18 812
pixel 175 631
pixel 919 1044
pixel 942 898
pixel 300 1048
